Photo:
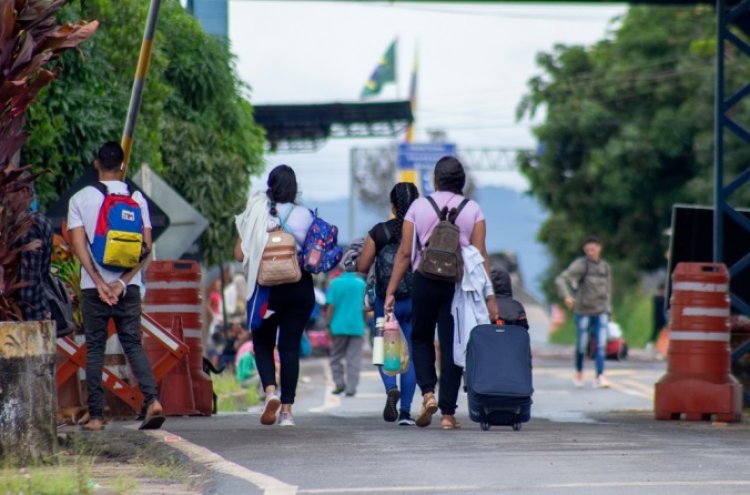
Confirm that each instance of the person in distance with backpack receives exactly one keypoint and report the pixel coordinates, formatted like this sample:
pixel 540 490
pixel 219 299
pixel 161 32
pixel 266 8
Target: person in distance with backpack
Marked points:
pixel 586 288
pixel 110 228
pixel 289 304
pixel 435 229
pixel 381 246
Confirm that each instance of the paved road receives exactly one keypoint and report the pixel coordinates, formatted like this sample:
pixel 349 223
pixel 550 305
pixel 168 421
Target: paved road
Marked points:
pixel 579 441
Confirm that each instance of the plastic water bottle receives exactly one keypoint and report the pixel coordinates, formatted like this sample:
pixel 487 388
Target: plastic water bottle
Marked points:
pixel 377 342
pixel 391 346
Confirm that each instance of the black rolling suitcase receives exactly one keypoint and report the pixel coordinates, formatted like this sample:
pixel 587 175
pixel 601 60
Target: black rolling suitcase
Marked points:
pixel 498 375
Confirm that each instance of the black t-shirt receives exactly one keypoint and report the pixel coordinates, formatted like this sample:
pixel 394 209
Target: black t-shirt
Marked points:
pixel 379 235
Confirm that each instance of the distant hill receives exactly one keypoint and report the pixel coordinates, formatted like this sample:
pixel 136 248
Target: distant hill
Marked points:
pixel 513 220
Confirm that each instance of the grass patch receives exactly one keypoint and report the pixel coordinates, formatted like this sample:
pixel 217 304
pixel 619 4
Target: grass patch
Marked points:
pixel 124 485
pixel 118 462
pixel 170 469
pixel 231 396
pixel 634 314
pixel 566 334
pixel 71 475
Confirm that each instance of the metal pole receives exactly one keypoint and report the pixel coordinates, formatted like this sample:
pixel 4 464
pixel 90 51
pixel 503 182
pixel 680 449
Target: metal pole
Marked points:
pixel 352 193
pixel 136 96
pixel 718 244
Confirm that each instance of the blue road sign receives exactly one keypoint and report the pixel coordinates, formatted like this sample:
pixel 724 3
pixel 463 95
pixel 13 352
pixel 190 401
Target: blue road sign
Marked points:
pixel 421 158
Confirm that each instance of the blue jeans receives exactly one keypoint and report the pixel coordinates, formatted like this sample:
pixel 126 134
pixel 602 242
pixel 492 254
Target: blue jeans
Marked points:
pixel 402 312
pixel 597 325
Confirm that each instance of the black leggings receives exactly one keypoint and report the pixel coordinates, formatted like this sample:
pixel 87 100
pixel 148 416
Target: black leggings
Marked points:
pixel 292 305
pixel 431 305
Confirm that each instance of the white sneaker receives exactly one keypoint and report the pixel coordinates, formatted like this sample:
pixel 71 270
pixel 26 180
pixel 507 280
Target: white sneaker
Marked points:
pixel 578 379
pixel 286 419
pixel 268 416
pixel 602 382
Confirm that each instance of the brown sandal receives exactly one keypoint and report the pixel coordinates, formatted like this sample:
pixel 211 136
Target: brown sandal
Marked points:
pixel 429 407
pixel 449 422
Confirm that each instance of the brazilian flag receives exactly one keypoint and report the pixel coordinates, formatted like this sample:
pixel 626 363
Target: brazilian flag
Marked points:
pixel 384 73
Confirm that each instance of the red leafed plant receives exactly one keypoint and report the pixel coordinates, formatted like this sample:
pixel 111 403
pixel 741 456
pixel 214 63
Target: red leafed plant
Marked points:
pixel 30 38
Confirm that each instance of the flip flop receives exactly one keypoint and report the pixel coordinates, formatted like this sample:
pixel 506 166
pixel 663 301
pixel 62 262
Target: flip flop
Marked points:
pixel 152 422
pixel 86 427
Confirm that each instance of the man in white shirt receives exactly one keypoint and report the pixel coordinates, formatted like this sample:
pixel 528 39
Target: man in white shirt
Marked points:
pixel 108 294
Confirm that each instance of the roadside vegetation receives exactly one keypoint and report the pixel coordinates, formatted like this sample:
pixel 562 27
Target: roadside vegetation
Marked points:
pixel 120 462
pixel 633 314
pixel 627 133
pixel 231 396
pixel 195 128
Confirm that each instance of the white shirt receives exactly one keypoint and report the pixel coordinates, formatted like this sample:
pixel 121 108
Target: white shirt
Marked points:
pixel 297 222
pixel 83 211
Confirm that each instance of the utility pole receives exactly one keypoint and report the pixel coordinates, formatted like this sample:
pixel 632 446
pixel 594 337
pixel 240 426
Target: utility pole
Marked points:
pixel 136 96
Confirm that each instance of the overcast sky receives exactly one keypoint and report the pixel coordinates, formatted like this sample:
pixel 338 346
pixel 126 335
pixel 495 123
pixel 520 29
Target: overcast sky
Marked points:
pixel 474 61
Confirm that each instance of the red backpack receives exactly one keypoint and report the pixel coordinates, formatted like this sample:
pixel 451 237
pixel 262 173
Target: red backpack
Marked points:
pixel 118 238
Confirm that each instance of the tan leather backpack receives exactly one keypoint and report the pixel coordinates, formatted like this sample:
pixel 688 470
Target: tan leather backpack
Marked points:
pixel 278 263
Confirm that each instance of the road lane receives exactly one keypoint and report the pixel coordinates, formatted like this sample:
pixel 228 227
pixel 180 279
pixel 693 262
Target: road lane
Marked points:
pixel 579 441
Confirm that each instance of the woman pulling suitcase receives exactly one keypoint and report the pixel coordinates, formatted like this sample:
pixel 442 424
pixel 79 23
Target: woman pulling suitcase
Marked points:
pixel 431 296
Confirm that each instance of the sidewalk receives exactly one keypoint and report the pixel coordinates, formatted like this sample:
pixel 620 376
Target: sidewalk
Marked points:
pixel 123 460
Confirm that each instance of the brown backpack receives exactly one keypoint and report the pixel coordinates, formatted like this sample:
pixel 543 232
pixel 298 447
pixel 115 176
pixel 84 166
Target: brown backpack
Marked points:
pixel 441 256
pixel 278 263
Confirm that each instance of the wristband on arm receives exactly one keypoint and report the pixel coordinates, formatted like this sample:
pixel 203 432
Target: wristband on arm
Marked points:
pixel 124 286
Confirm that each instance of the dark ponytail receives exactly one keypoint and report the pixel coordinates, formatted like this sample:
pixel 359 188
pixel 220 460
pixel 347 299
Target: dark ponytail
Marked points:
pixel 403 195
pixel 282 186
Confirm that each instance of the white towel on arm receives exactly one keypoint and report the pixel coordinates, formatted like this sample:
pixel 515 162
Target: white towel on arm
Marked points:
pixel 469 307
pixel 252 226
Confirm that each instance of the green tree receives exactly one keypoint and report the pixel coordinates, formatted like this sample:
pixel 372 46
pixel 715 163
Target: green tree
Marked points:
pixel 196 127
pixel 627 133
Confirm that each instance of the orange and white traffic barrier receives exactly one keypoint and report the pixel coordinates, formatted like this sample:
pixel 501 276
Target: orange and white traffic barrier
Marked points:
pixel 698 384
pixel 173 291
pixel 73 362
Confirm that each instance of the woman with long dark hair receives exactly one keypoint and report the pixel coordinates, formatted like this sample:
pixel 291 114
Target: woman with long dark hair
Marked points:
pixel 431 299
pixel 381 246
pixel 289 305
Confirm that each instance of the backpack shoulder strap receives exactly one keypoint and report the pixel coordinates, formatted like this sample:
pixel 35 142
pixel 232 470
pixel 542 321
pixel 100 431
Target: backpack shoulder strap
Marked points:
pixel 461 206
pixel 585 271
pixel 435 207
pixel 286 216
pixel 101 187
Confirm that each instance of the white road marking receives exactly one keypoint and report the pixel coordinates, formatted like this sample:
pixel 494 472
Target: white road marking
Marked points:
pixel 330 401
pixel 394 489
pixel 636 484
pixel 527 487
pixel 633 388
pixel 620 384
pixel 216 463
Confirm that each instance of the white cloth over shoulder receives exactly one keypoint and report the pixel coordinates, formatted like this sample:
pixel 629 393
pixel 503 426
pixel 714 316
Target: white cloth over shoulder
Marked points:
pixel 469 307
pixel 252 228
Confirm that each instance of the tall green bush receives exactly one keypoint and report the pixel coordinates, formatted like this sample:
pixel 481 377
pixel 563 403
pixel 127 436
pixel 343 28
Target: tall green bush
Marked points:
pixel 196 126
